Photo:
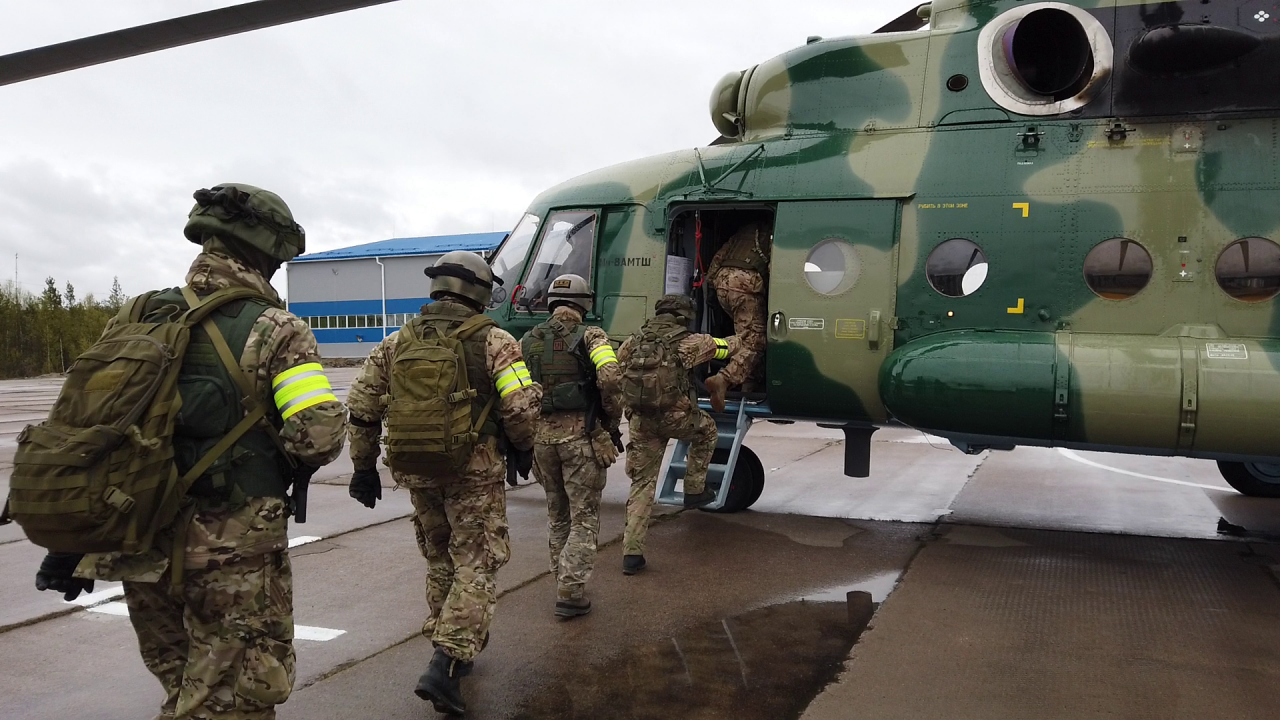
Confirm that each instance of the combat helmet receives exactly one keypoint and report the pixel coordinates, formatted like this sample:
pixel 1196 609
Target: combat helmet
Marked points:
pixel 462 274
pixel 250 215
pixel 570 290
pixel 679 305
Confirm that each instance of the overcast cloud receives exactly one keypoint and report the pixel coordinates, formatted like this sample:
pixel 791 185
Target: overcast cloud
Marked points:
pixel 413 118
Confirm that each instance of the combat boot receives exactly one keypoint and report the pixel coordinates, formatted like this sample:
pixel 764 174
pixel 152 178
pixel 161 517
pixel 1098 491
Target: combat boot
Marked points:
pixel 440 684
pixel 572 607
pixel 632 564
pixel 717 387
pixel 706 497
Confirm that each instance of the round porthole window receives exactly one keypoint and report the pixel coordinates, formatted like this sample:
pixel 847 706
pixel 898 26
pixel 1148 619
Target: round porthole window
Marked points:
pixel 1117 268
pixel 832 266
pixel 956 268
pixel 1249 269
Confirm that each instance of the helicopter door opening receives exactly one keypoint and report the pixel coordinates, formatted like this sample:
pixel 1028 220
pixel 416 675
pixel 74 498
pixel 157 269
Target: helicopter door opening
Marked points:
pixel 697 234
pixel 832 293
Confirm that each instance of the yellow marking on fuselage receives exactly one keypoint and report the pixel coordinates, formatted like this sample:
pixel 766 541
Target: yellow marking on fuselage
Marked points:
pixel 1024 207
pixel 1017 309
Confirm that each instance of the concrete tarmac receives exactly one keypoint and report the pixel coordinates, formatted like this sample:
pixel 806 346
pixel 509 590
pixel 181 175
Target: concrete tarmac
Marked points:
pixel 1031 583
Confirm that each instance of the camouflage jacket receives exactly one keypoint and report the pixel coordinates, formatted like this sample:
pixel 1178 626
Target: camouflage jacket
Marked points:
pixel 749 240
pixel 694 350
pixel 221 534
pixel 562 427
pixel 519 410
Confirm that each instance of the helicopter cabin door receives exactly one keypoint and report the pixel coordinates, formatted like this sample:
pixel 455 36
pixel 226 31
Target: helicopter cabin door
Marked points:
pixel 832 286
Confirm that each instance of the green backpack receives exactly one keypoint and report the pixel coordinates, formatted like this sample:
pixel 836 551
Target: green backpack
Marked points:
pixel 653 380
pixel 556 361
pixel 431 430
pixel 99 474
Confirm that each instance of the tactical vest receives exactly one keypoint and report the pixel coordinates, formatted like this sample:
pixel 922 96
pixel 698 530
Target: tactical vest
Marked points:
pixel 746 254
pixel 554 354
pixel 653 380
pixel 445 319
pixel 211 407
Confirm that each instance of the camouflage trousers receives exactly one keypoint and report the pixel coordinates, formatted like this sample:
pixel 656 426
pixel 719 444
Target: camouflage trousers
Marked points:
pixel 749 317
pixel 222 643
pixel 649 436
pixel 573 481
pixel 462 531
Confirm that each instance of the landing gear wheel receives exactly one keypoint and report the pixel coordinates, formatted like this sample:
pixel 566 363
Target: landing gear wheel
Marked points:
pixel 747 482
pixel 745 455
pixel 1252 479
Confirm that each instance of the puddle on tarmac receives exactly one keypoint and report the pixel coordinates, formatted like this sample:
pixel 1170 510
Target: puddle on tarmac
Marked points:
pixel 878 585
pixel 766 664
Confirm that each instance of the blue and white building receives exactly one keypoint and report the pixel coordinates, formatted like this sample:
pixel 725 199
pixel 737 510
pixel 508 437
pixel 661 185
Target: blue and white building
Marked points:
pixel 354 297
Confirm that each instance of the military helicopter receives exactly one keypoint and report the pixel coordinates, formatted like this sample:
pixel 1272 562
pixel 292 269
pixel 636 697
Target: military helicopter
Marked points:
pixel 1002 222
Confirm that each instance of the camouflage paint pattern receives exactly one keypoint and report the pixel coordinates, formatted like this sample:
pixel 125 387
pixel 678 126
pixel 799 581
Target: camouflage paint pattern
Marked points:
pixel 462 530
pixel 864 140
pixel 221 645
pixel 741 294
pixel 573 479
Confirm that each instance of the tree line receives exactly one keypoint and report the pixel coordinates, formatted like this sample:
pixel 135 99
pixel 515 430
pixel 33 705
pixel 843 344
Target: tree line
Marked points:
pixel 41 334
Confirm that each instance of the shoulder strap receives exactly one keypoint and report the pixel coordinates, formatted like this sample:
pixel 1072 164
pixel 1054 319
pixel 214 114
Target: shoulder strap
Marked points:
pixel 254 408
pixel 131 311
pixel 472 325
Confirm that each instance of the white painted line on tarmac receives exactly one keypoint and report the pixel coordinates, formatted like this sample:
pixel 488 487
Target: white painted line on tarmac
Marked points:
pixel 303 540
pixel 118 609
pixel 319 634
pixel 1072 455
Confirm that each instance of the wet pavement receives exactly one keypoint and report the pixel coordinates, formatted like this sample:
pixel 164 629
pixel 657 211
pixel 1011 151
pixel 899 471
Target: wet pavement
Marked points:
pixel 1032 583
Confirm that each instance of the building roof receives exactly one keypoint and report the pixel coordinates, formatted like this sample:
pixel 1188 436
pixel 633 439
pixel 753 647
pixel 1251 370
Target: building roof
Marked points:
pixel 437 245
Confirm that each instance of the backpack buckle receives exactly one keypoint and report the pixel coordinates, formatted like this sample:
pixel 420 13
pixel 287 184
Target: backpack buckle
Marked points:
pixel 118 499
pixel 461 395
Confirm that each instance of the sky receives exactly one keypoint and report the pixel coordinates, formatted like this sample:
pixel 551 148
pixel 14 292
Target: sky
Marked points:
pixel 414 118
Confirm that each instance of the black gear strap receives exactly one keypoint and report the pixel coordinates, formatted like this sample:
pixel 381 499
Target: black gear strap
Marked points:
pixel 362 423
pixel 461 273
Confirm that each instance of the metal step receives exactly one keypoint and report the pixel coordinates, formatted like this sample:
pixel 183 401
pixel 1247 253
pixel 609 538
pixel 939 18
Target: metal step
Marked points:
pixel 731 427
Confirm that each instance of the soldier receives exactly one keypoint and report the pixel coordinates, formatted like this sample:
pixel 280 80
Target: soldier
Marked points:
pixel 218 630
pixel 578 437
pixel 468 371
pixel 740 274
pixel 657 386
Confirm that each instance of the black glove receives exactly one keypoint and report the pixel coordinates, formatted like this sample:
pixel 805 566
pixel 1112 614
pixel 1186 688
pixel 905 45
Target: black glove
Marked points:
pixel 55 574
pixel 366 487
pixel 523 460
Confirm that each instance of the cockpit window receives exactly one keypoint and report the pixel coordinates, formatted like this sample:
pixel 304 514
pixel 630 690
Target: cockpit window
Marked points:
pixel 506 264
pixel 567 247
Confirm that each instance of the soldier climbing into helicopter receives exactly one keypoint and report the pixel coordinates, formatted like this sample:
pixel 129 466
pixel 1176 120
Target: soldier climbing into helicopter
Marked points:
pixel 739 272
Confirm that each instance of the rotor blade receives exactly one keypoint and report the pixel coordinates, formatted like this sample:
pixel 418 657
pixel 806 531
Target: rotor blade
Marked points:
pixel 908 21
pixel 142 39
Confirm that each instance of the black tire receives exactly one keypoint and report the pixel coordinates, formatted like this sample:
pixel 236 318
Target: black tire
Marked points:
pixel 740 486
pixel 1252 479
pixel 746 455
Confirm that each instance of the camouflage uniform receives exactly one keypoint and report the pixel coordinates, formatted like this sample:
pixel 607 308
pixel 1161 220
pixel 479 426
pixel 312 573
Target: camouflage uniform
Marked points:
pixel 649 436
pixel 570 465
pixel 221 642
pixel 460 521
pixel 741 292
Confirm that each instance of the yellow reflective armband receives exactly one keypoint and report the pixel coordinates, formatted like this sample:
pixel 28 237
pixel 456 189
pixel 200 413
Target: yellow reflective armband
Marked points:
pixel 722 349
pixel 513 378
pixel 603 355
pixel 301 387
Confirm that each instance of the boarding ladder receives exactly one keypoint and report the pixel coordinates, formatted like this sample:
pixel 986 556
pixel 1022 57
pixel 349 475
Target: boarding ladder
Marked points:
pixel 731 428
